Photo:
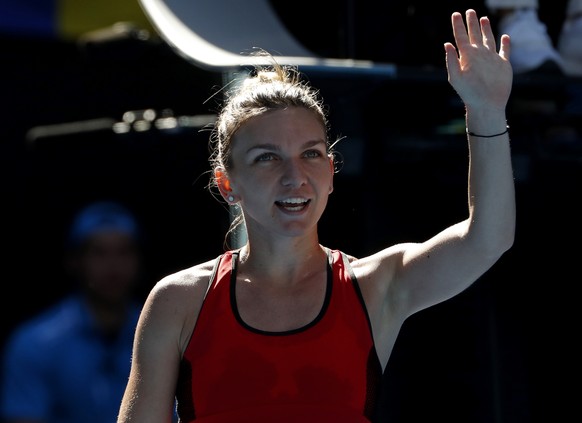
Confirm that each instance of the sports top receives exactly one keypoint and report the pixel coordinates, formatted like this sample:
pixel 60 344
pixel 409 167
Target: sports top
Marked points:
pixel 327 370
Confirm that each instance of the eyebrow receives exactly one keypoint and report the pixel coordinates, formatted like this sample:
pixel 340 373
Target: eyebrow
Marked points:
pixel 274 147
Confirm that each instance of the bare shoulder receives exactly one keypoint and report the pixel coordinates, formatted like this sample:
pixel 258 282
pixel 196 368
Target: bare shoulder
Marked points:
pixel 184 285
pixel 189 277
pixel 176 299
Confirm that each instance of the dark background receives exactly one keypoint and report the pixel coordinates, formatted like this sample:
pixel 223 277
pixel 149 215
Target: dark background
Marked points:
pixel 505 350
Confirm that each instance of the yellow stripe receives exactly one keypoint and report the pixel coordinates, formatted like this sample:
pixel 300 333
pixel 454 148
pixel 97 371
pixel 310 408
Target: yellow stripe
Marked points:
pixel 76 17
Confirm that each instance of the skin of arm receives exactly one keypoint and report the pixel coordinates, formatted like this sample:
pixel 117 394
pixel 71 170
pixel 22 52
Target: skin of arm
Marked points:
pixel 166 323
pixel 406 278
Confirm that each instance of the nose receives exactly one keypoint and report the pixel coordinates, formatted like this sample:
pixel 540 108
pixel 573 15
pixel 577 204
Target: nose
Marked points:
pixel 294 174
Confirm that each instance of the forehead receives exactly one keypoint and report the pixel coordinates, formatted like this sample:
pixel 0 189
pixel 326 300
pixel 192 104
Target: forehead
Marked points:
pixel 276 126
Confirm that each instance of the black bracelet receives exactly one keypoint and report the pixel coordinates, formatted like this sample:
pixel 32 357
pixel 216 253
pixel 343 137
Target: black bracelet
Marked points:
pixel 488 136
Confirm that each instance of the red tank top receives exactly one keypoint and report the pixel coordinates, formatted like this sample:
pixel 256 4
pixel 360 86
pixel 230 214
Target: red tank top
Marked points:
pixel 326 371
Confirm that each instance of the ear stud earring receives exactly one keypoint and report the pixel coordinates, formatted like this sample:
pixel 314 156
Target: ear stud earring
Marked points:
pixel 230 198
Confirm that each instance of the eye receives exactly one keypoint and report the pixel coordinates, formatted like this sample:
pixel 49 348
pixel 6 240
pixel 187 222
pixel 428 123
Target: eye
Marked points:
pixel 312 154
pixel 265 157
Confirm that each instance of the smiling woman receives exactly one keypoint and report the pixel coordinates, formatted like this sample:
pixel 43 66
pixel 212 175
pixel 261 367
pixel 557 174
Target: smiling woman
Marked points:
pixel 286 153
pixel 282 328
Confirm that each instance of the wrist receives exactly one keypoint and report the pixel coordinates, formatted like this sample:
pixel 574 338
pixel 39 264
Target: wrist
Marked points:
pixel 488 135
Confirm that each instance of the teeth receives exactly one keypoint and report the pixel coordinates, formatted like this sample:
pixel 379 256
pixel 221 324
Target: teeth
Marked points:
pixel 294 204
pixel 294 201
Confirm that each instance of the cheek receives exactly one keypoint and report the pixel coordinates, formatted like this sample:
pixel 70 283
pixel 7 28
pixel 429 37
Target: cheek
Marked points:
pixel 325 176
pixel 254 189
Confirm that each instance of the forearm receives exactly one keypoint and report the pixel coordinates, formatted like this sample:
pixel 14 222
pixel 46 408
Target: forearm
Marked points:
pixel 491 185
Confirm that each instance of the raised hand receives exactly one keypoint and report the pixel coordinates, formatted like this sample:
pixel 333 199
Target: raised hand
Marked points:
pixel 479 74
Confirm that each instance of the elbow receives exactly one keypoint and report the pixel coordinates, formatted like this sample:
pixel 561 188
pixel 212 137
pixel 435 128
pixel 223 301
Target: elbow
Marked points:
pixel 502 247
pixel 498 245
pixel 491 252
pixel 490 242
pixel 507 235
pixel 509 239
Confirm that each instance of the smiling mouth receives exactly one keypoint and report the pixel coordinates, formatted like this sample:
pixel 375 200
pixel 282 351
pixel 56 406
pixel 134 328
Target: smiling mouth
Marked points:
pixel 293 204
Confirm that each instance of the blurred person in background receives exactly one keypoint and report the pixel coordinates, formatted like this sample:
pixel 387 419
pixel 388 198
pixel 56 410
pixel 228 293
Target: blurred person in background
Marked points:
pixel 71 362
pixel 533 49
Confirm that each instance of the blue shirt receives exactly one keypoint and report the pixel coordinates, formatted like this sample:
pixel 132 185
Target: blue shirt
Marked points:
pixel 60 369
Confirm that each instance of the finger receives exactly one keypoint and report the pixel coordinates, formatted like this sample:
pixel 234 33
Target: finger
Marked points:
pixel 459 31
pixel 505 49
pixel 488 37
pixel 473 27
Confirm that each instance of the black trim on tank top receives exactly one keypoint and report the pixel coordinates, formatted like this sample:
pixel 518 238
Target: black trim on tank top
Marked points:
pixel 374 369
pixel 324 307
pixel 356 285
pixel 213 274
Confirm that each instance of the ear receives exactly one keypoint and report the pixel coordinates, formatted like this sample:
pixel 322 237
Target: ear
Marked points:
pixel 223 184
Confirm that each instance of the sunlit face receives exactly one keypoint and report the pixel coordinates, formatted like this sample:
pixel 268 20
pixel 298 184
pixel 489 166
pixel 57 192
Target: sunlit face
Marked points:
pixel 281 173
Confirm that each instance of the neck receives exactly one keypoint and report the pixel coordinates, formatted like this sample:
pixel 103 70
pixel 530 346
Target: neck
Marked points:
pixel 282 262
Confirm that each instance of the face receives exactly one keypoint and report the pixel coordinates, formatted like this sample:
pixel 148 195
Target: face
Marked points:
pixel 109 266
pixel 281 174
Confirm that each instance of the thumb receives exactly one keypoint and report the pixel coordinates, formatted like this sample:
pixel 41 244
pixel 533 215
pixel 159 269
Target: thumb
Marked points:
pixel 452 61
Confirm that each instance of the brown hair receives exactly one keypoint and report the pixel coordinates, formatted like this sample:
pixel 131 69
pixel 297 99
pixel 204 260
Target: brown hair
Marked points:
pixel 267 88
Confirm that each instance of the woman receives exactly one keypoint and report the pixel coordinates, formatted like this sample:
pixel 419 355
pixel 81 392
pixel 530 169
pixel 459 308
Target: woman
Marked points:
pixel 284 329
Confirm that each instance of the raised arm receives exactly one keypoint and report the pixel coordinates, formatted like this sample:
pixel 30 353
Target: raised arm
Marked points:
pixel 419 275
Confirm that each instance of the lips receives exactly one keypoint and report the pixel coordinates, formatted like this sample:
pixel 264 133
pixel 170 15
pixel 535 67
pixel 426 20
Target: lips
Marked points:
pixel 293 204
